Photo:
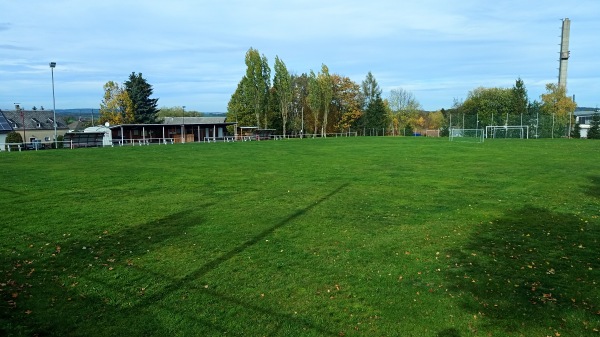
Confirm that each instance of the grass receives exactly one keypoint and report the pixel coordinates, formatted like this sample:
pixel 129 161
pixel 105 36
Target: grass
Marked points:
pixel 315 237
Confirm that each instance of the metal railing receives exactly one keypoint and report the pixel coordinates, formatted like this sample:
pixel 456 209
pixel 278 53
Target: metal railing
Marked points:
pixel 70 144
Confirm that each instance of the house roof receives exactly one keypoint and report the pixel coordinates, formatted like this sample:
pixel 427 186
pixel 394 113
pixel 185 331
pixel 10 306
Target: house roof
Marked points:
pixel 193 120
pixel 4 124
pixel 34 120
pixel 585 111
pixel 187 123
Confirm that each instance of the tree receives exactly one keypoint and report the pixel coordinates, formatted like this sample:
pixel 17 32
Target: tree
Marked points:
pixel 346 103
pixel 594 131
pixel 176 111
pixel 282 84
pixel 576 132
pixel 404 108
pixel 519 99
pixel 145 108
pixel 533 110
pixel 240 108
pixel 556 103
pixel 257 84
pixel 14 137
pixel 116 107
pixel 370 89
pixel 376 114
pixel 299 101
pixel 315 98
pixel 435 120
pixel 489 106
pixel 326 88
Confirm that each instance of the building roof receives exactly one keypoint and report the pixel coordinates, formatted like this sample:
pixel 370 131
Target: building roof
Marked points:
pixel 5 126
pixel 586 111
pixel 34 120
pixel 193 120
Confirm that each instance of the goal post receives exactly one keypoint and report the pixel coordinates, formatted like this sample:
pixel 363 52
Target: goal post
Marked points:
pixel 507 131
pixel 466 135
pixel 432 133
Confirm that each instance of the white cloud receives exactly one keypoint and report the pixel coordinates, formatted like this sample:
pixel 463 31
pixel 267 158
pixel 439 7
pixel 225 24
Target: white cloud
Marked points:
pixel 192 52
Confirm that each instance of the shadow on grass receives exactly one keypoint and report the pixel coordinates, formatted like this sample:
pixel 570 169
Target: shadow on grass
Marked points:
pixel 40 281
pixel 448 333
pixel 533 267
pixel 89 287
pixel 5 190
pixel 193 277
pixel 594 188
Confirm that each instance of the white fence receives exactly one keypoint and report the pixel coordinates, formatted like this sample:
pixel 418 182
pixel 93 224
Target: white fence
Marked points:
pixel 43 145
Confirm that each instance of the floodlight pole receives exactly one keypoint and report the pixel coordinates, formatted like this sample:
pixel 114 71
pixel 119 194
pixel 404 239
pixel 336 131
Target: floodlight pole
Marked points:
pixel 302 127
pixel 183 124
pixel 52 65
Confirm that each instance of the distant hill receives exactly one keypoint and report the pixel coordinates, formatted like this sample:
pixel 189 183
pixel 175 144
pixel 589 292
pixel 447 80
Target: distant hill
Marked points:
pixel 88 112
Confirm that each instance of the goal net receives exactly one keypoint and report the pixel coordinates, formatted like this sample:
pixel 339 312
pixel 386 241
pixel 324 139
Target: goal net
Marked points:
pixel 432 133
pixel 507 131
pixel 466 135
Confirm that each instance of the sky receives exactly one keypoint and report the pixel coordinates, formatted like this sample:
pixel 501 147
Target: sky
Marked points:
pixel 192 51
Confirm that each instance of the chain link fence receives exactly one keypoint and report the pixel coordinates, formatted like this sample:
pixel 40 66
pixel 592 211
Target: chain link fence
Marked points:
pixel 510 126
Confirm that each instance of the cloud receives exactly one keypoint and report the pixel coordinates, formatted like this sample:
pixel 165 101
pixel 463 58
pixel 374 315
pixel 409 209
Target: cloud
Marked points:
pixel 193 51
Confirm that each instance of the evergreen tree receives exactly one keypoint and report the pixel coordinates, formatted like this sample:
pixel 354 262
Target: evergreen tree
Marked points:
pixel 376 115
pixel 370 89
pixel 594 131
pixel 576 132
pixel 145 108
pixel 520 99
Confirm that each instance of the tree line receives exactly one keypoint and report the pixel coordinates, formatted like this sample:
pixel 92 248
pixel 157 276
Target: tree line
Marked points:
pixel 552 116
pixel 324 102
pixel 320 102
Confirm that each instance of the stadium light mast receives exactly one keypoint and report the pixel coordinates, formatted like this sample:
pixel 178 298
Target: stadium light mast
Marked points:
pixel 183 124
pixel 52 66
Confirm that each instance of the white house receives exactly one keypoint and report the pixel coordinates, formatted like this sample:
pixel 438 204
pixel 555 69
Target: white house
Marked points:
pixel 583 116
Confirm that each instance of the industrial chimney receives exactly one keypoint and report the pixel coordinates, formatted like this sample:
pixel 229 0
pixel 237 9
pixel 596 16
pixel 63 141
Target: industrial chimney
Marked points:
pixel 564 53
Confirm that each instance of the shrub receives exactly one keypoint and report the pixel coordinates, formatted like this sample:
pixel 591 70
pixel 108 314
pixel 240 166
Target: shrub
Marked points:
pixel 14 137
pixel 59 141
pixel 576 132
pixel 594 131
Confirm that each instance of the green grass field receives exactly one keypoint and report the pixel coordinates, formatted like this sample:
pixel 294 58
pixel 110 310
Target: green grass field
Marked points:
pixel 317 237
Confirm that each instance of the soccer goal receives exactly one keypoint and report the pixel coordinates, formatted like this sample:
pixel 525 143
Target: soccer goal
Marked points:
pixel 466 135
pixel 507 131
pixel 432 133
